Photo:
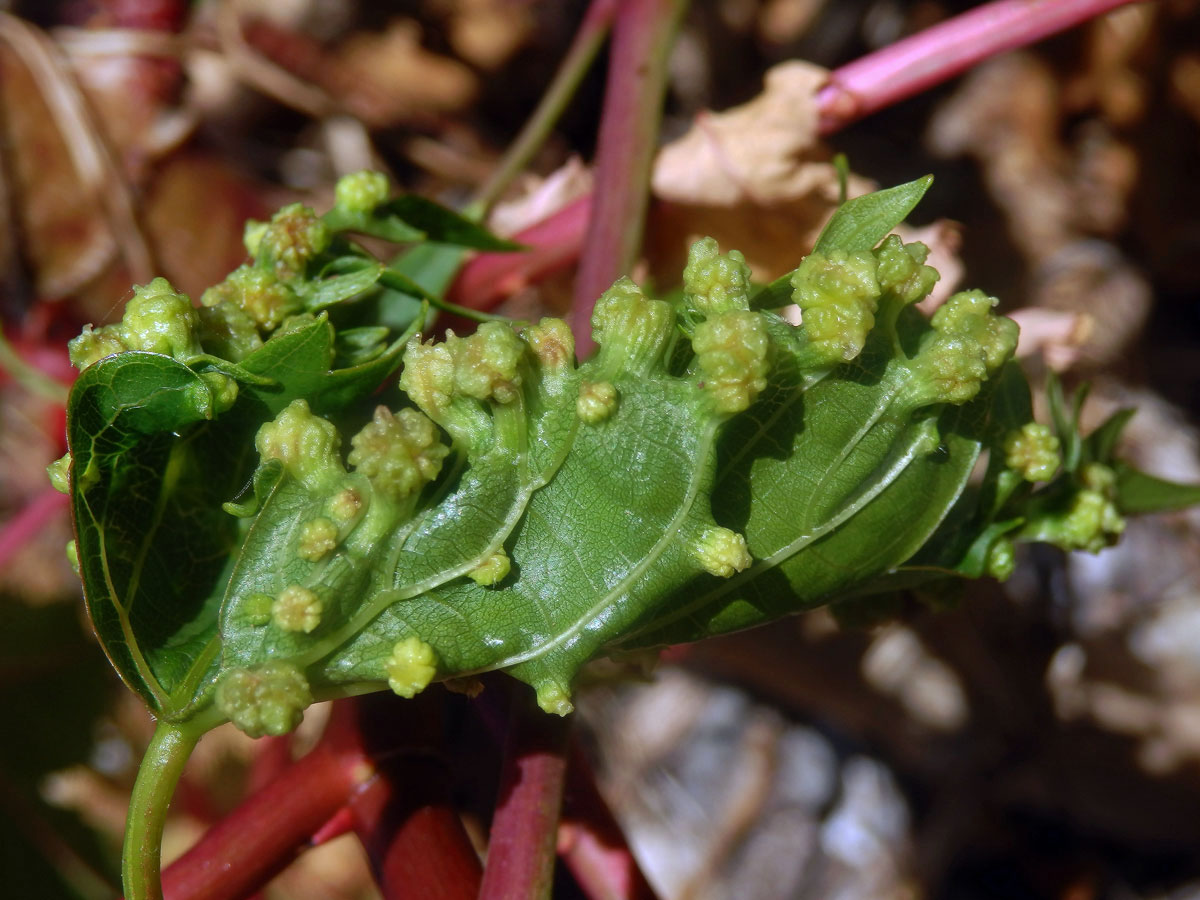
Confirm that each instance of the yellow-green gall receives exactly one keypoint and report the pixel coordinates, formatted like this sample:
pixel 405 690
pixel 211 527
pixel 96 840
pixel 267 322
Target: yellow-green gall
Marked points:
pixel 492 570
pixel 722 552
pixel 555 699
pixel 73 556
pixel 968 344
pixel 252 235
pixel 318 538
pixel 713 282
pixel 400 452
pixel 411 667
pixel 902 273
pixel 306 444
pixel 93 345
pixel 1099 477
pixel 267 699
pixel 361 192
pixel 59 473
pixel 296 608
pixel 226 330
pixel 552 344
pixel 294 236
pixel 223 388
pixel 1032 452
pixel 257 609
pixel 1001 559
pixel 597 401
pixel 838 296
pixel 1092 523
pixel 258 293
pixel 486 362
pixel 345 505
pixel 631 329
pixel 732 351
pixel 969 314
pixel 428 376
pixel 159 319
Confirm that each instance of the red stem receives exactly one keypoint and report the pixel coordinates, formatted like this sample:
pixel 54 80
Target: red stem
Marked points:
pixel 521 852
pixel 414 836
pixel 405 819
pixel 642 35
pixel 591 842
pixel 937 54
pixel 240 854
pixel 32 518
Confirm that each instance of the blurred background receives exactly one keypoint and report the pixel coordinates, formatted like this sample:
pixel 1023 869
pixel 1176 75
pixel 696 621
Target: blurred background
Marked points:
pixel 1037 739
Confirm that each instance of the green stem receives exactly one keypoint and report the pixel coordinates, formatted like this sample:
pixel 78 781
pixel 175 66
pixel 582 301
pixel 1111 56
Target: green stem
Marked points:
pixel 575 64
pixel 157 777
pixel 633 99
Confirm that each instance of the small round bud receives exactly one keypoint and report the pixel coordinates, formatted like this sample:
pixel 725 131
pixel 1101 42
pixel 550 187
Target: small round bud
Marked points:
pixel 93 345
pixel 492 570
pixel 267 699
pixel 722 552
pixel 411 667
pixel 59 473
pixel 731 352
pixel 297 609
pixel 257 609
pixel 345 505
pixel 1001 559
pixel 1032 452
pixel 714 283
pixel 597 401
pixel 361 192
pixel 306 444
pixel 399 453
pixel 318 538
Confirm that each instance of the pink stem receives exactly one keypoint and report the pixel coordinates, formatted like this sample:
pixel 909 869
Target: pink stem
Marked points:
pixel 937 54
pixel 32 518
pixel 625 148
pixel 554 245
pixel 855 90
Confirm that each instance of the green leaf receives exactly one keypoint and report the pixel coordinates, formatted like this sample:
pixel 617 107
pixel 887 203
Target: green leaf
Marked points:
pixel 411 218
pixel 1139 493
pixel 151 541
pixel 325 292
pixel 832 488
pixel 863 222
pixel 1101 445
